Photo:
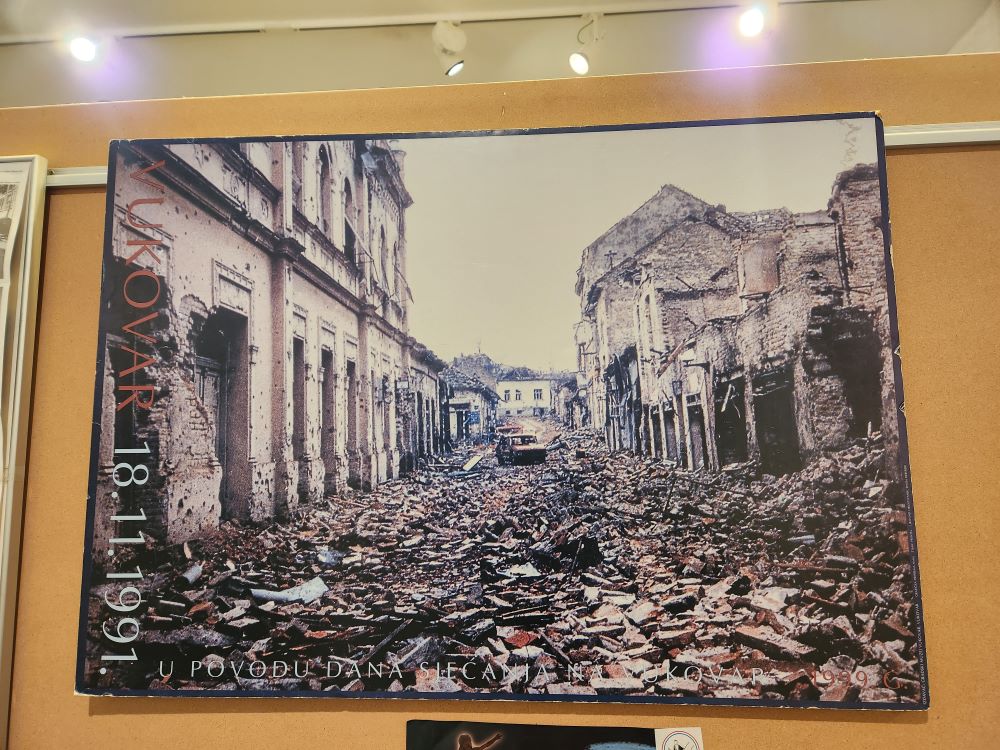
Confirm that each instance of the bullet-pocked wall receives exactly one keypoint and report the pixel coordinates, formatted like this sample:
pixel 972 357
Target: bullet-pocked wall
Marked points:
pixel 288 358
pixel 946 273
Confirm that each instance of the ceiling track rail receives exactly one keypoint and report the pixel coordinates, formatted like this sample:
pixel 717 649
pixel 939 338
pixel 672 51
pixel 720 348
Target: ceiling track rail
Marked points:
pixel 543 12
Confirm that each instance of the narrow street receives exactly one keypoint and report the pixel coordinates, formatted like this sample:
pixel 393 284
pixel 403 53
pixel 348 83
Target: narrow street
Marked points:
pixel 596 573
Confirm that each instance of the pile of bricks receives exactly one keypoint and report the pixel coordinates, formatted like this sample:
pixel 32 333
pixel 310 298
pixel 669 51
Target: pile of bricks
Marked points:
pixel 595 573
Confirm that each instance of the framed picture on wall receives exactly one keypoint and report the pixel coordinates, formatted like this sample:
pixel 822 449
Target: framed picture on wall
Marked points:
pixel 22 209
pixel 590 414
pixel 475 735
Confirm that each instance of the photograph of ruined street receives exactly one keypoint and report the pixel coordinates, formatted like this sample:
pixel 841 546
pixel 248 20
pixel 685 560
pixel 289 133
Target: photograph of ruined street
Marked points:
pixel 598 414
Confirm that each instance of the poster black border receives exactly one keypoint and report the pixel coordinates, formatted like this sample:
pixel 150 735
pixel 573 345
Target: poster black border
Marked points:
pixel 904 457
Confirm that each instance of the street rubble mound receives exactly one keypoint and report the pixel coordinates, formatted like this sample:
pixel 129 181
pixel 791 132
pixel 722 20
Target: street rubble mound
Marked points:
pixel 593 574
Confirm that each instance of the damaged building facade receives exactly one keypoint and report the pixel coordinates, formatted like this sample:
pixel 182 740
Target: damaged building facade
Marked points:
pixel 709 338
pixel 285 370
pixel 472 405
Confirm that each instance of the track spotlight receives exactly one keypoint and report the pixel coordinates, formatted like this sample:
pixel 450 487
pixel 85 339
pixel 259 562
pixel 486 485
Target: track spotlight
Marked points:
pixel 83 49
pixel 449 43
pixel 752 21
pixel 586 38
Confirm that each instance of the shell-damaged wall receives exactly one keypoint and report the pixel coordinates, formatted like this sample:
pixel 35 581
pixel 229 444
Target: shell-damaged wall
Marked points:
pixel 279 348
pixel 780 319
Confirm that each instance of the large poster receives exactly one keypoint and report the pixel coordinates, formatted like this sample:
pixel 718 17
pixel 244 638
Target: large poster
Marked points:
pixel 581 414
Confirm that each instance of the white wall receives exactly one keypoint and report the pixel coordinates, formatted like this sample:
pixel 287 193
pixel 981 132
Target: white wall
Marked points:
pixel 983 35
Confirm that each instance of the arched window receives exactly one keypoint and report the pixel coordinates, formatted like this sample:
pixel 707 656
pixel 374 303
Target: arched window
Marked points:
pixel 350 217
pixel 384 258
pixel 325 189
pixel 298 159
pixel 395 268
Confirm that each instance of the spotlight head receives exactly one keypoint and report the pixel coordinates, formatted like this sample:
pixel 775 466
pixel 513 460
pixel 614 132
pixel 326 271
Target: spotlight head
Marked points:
pixel 579 63
pixel 752 21
pixel 455 68
pixel 83 49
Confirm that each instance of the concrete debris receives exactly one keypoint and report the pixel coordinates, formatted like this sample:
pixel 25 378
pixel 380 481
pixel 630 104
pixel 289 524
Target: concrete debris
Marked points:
pixel 595 573
pixel 307 592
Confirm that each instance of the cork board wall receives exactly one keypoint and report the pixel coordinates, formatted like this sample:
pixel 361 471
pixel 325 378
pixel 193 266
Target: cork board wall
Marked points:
pixel 945 219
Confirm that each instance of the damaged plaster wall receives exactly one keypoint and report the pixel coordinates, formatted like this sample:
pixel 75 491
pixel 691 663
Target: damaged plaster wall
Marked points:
pixel 284 316
pixel 787 311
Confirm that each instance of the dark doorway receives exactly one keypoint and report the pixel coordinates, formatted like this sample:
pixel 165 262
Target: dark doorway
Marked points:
pixel 420 424
pixel 353 460
pixel 681 443
pixel 221 377
pixel 384 404
pixel 461 416
pixel 656 418
pixel 328 419
pixel 857 360
pixel 696 421
pixel 670 435
pixel 299 413
pixel 774 418
pixel 730 422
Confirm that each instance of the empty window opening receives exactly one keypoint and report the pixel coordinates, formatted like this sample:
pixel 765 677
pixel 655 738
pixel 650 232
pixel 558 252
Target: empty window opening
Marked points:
pixel 350 221
pixel 325 191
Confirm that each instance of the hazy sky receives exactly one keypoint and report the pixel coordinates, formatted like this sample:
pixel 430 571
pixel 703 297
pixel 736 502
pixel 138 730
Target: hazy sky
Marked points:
pixel 498 223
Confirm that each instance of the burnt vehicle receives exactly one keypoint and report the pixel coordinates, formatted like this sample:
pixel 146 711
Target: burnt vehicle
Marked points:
pixel 519 449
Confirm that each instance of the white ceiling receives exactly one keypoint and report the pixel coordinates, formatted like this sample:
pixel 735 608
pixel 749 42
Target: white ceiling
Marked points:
pixel 32 19
pixel 35 68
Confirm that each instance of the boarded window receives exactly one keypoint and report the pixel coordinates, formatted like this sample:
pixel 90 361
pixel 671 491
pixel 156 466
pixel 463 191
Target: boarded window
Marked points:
pixel 759 262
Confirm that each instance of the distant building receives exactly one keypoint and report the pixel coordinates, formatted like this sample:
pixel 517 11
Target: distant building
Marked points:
pixel 480 365
pixel 524 392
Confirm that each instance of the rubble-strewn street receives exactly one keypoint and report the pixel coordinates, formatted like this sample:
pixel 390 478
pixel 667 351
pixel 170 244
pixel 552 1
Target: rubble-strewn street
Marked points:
pixel 594 573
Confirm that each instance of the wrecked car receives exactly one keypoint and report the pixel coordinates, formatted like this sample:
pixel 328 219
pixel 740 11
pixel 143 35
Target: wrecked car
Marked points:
pixel 520 449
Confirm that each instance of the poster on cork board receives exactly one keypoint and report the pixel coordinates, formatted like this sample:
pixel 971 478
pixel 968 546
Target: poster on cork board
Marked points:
pixel 578 414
